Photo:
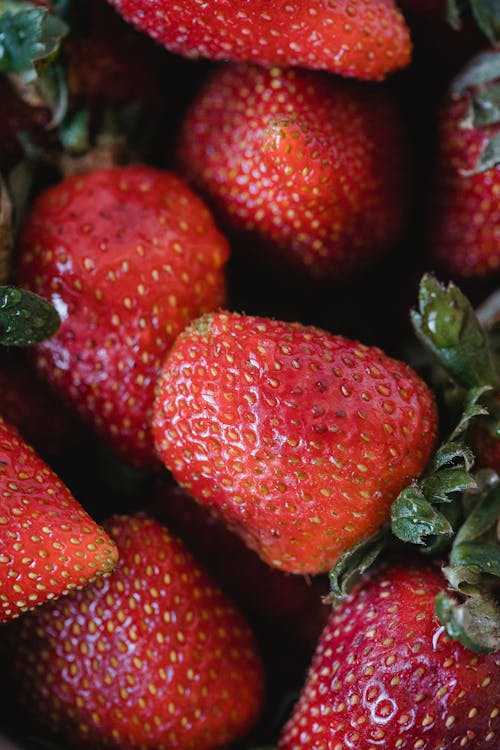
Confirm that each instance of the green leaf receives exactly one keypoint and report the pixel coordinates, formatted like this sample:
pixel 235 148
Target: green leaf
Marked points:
pixel 413 518
pixel 25 318
pixel 483 517
pixel 487 15
pixel 447 325
pixel 454 12
pixel 75 131
pixel 489 157
pixel 451 452
pixel 486 107
pixel 438 487
pixel 28 35
pixel 352 566
pixel 483 69
pixel 475 622
pixel 471 409
pixel 485 558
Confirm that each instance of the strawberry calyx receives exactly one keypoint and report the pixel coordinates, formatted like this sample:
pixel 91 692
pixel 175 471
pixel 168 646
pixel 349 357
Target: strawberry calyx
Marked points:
pixel 446 325
pixel 471 614
pixel 31 41
pixel 479 81
pixel 354 564
pixel 25 317
pixel 486 14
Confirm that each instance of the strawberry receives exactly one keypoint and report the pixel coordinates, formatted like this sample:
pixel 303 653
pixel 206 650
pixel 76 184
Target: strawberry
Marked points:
pixel 300 439
pixel 366 42
pixel 155 656
pixel 278 599
pixel 385 675
pixel 128 255
pixel 465 240
pixel 307 166
pixel 48 544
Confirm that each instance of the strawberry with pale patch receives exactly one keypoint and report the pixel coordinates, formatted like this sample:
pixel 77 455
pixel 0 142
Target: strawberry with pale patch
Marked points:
pixel 155 656
pixel 309 168
pixel 386 675
pixel 298 438
pixel 128 256
pixel 362 40
pixel 48 543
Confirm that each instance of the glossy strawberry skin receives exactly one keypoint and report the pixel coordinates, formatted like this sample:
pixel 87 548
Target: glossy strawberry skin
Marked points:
pixel 465 236
pixel 385 675
pixel 300 439
pixel 341 37
pixel 128 256
pixel 154 657
pixel 311 168
pixel 48 543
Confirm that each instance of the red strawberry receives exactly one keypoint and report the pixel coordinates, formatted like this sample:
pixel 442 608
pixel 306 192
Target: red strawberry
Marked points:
pixel 48 544
pixel 364 41
pixel 310 167
pixel 465 240
pixel 385 675
pixel 300 439
pixel 128 256
pixel 154 656
pixel 273 597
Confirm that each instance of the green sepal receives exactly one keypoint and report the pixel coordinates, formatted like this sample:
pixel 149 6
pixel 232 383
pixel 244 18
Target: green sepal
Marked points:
pixel 488 158
pixel 30 35
pixel 25 318
pixel 438 487
pixel 485 558
pixel 475 622
pixel 484 508
pixel 447 325
pixel 451 451
pixel 413 519
pixel 485 12
pixel 74 132
pixel 487 15
pixel 485 107
pixel 353 565
pixel 453 512
pixel 484 68
pixel 471 409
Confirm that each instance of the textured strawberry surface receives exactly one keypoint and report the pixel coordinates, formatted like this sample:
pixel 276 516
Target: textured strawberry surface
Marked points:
pixel 385 675
pixel 154 657
pixel 312 167
pixel 48 543
pixel 128 256
pixel 365 40
pixel 466 213
pixel 300 439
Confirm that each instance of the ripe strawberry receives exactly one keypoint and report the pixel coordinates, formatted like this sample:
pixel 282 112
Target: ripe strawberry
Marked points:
pixel 48 544
pixel 128 256
pixel 278 599
pixel 155 656
pixel 311 168
pixel 299 439
pixel 385 675
pixel 344 37
pixel 465 239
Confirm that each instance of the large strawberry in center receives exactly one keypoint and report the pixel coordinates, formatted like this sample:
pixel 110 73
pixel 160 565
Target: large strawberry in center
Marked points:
pixel 128 256
pixel 300 439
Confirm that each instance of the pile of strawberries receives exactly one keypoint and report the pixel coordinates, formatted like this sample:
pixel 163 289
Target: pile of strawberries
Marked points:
pixel 247 498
